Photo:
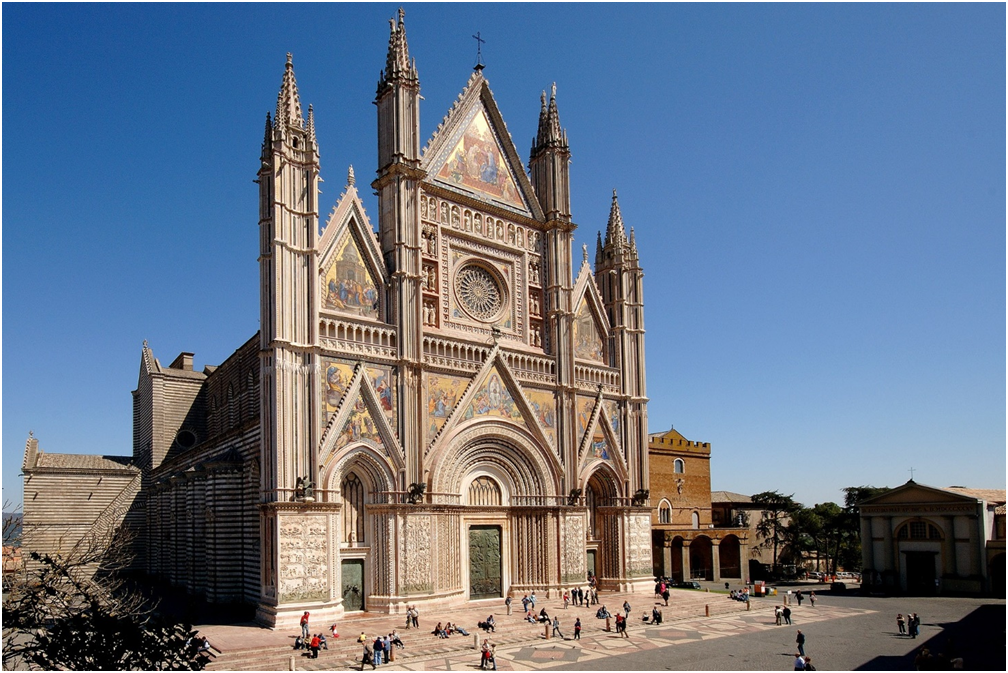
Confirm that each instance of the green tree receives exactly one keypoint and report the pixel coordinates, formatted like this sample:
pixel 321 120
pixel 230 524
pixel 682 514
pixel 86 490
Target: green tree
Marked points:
pixel 777 509
pixel 849 525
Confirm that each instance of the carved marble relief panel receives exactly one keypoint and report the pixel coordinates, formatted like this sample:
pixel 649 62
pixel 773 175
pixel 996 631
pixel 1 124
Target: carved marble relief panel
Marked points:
pixel 416 554
pixel 574 563
pixel 639 545
pixel 303 558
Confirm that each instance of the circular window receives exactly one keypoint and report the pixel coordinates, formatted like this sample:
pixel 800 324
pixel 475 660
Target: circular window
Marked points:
pixel 185 439
pixel 479 292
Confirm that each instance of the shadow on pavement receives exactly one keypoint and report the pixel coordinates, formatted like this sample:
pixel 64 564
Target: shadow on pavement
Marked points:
pixel 978 638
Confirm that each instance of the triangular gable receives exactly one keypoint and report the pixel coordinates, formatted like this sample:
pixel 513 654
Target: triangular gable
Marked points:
pixel 914 493
pixel 492 398
pixel 599 443
pixel 359 419
pixel 494 394
pixel 590 327
pixel 353 275
pixel 472 152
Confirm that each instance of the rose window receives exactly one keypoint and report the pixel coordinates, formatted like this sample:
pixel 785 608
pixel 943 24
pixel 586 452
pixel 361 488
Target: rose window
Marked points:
pixel 479 292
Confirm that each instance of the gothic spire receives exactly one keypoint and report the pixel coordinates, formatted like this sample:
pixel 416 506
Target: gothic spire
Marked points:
pixel 288 110
pixel 550 132
pixel 267 138
pixel 398 65
pixel 615 232
pixel 311 124
pixel 598 249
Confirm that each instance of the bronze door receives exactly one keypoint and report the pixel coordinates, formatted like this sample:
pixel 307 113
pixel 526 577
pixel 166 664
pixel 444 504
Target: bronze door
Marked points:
pixel 485 562
pixel 353 585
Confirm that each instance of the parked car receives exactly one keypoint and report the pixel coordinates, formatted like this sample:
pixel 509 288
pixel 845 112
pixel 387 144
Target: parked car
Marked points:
pixel 690 584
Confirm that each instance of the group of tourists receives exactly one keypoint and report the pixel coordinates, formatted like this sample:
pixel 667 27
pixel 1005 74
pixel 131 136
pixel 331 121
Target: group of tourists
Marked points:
pixel 379 651
pixel 488 655
pixel 412 617
pixel 448 629
pixel 910 625
pixel 743 595
pixel 782 615
pixel 662 589
pixel 312 643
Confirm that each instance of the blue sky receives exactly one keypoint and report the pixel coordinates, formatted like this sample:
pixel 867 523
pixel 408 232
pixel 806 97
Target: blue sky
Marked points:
pixel 818 193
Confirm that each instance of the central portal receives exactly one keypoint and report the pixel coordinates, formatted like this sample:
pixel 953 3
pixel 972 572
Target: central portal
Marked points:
pixel 485 562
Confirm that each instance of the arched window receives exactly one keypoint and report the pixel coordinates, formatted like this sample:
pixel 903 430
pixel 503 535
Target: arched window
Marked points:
pixel 664 512
pixel 484 492
pixel 918 530
pixel 353 509
pixel 696 520
pixel 680 466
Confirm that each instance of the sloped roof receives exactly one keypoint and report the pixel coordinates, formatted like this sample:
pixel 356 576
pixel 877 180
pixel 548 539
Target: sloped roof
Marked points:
pixel 83 461
pixel 728 496
pixel 989 495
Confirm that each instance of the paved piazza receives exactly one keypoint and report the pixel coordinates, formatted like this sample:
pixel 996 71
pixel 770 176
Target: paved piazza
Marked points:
pixel 843 633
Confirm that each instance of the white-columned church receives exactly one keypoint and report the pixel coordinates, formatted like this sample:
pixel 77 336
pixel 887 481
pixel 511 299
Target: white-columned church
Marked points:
pixel 451 409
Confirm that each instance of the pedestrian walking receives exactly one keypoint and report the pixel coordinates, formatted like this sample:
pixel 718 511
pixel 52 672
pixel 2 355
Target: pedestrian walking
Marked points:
pixel 577 629
pixel 799 597
pixel 626 608
pixel 811 598
pixel 484 654
pixel 507 604
pixel 556 627
pixel 801 642
pixel 799 663
pixel 367 658
pixel 786 612
pixel 778 615
pixel 566 600
pixel 901 623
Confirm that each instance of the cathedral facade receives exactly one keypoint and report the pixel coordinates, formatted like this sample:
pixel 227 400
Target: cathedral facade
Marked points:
pixel 447 407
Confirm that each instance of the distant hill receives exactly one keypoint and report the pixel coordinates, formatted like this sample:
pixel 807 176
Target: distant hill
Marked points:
pixel 11 526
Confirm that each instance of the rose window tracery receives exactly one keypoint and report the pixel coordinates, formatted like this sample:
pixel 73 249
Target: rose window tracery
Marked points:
pixel 479 292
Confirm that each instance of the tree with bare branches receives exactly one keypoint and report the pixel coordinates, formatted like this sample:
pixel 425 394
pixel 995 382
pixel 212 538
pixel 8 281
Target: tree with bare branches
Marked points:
pixel 73 611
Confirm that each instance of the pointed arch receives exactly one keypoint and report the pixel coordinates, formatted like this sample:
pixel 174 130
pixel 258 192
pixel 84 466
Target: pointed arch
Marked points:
pixel 601 487
pixel 364 472
pixel 664 511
